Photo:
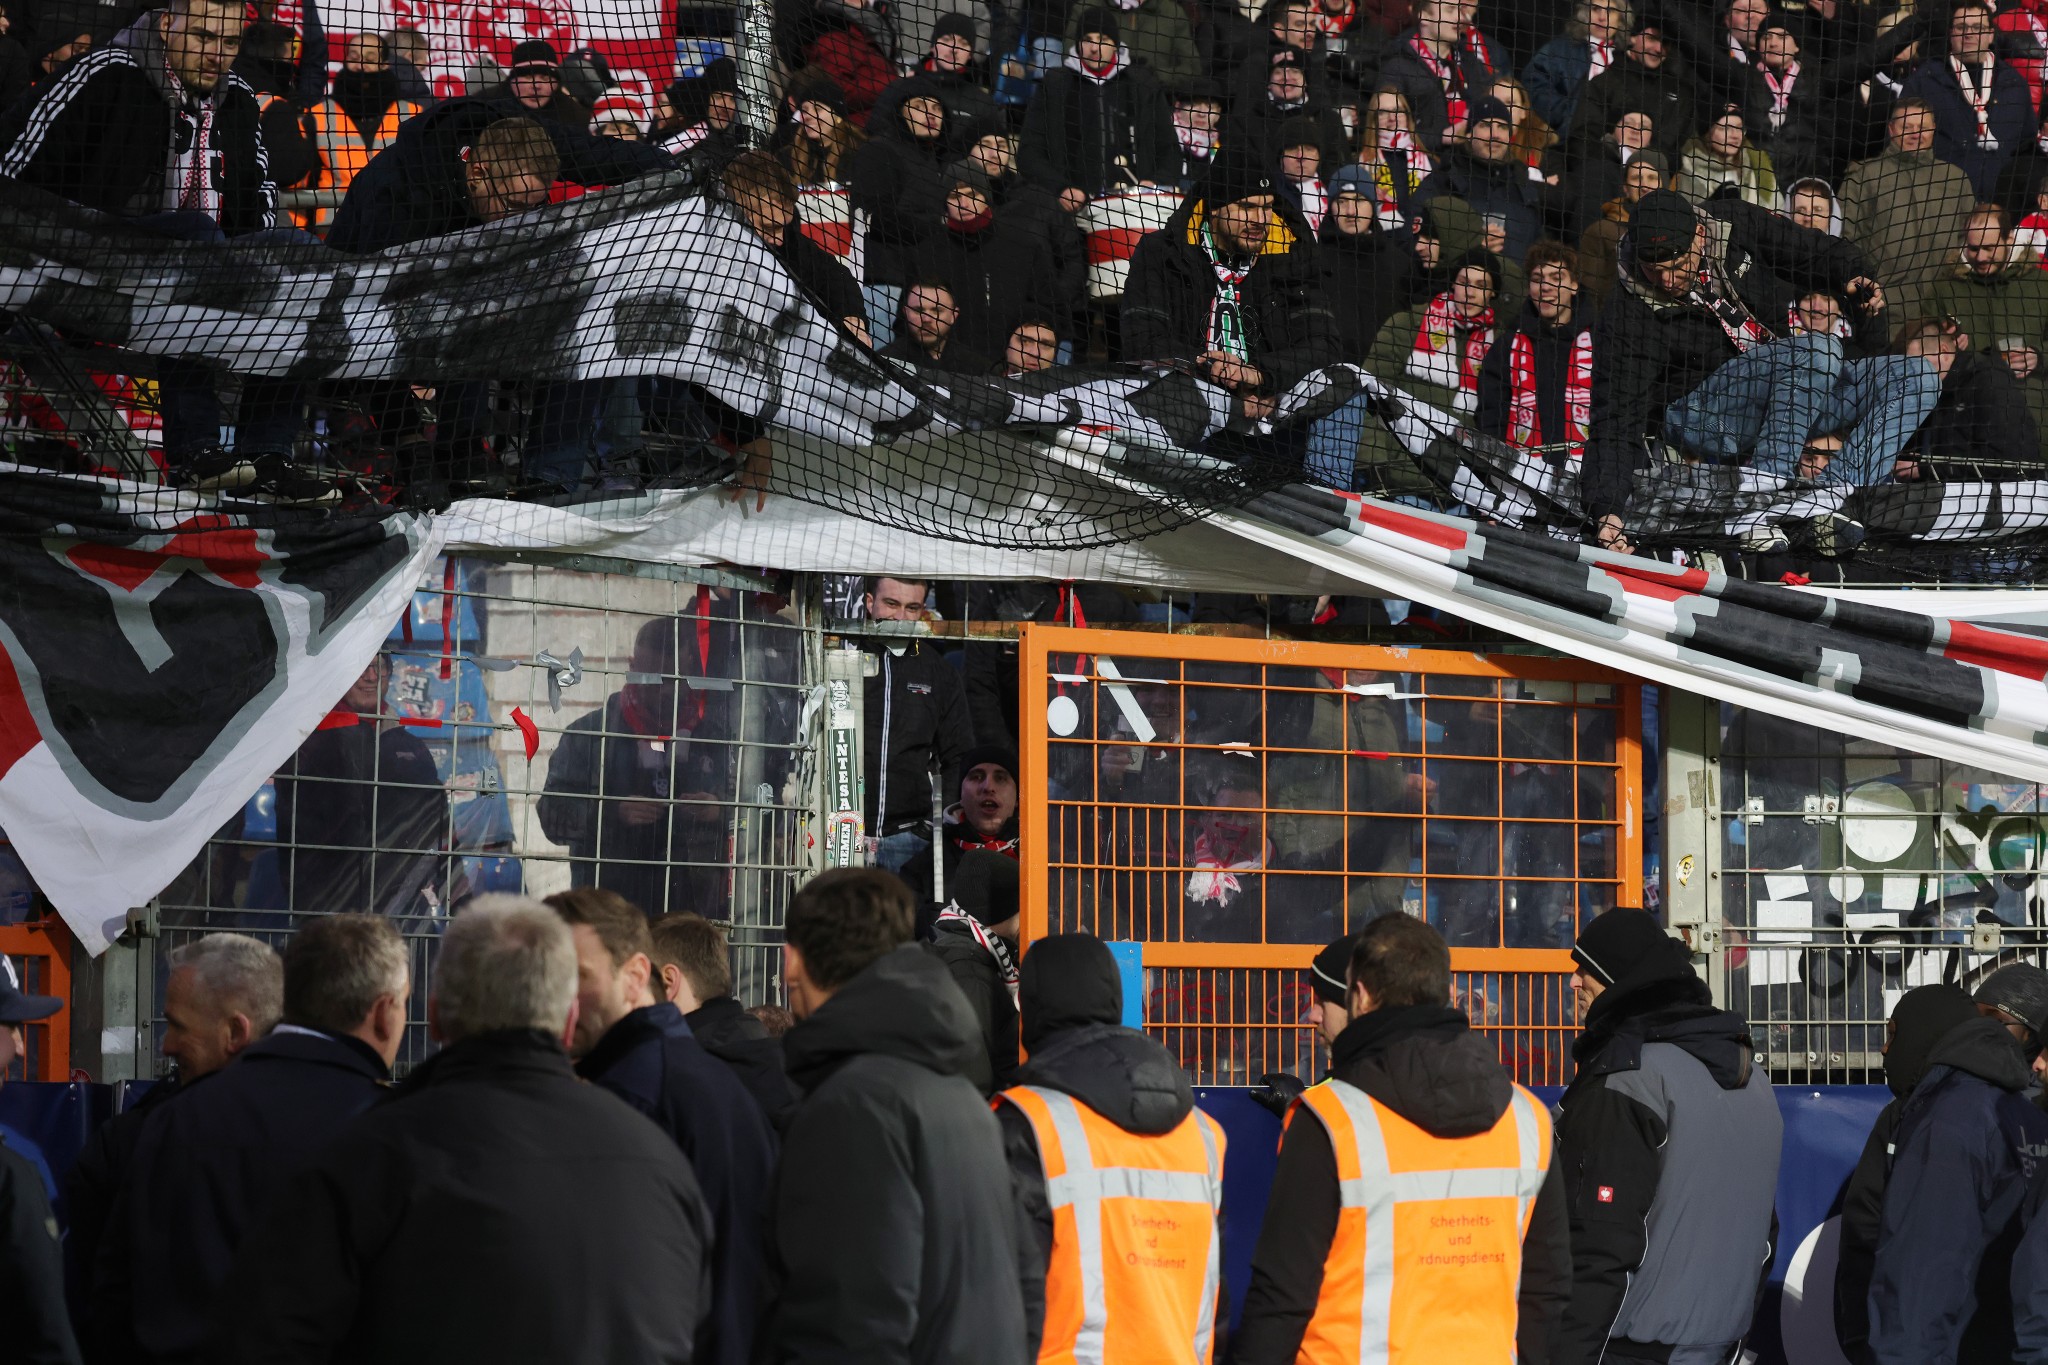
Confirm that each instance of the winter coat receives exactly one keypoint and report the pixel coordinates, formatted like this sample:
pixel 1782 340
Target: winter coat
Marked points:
pixel 1669 1140
pixel 2011 302
pixel 893 1225
pixel 1650 351
pixel 956 838
pixel 650 1060
pixel 723 1028
pixel 2010 118
pixel 1668 95
pixel 914 718
pixel 1426 1064
pixel 206 1170
pixel 1160 38
pixel 101 134
pixel 900 183
pixel 1551 349
pixel 599 765
pixel 1555 76
pixel 1600 250
pixel 1369 277
pixel 1701 174
pixel 360 785
pixel 1475 63
pixel 289 141
pixel 1508 189
pixel 968 105
pixel 1906 211
pixel 1289 326
pixel 996 275
pixel 581 1230
pixel 2030 1276
pixel 1981 415
pixel 31 1268
pixel 91 1188
pixel 1121 1075
pixel 1940 1289
pixel 14 72
pixel 415 188
pixel 822 275
pixel 1098 136
pixel 980 979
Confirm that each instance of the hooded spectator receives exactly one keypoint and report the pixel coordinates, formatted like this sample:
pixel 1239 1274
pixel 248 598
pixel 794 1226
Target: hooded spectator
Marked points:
pixel 1198 127
pixel 1983 109
pixel 2022 359
pixel 1441 65
pixel 983 820
pixel 899 181
pixel 1669 1140
pixel 1919 1021
pixel 1392 158
pixel 1536 383
pixel 704 113
pixel 1646 79
pixel 851 43
pixel 631 1040
pixel 1370 267
pixel 1098 123
pixel 1997 288
pixel 1810 203
pixel 1585 50
pixel 1033 344
pixel 1980 428
pixel 1724 156
pixel 31 1248
pixel 290 134
pixel 994 270
pixel 892 1164
pixel 57 45
pixel 693 971
pixel 1484 172
pixel 1600 243
pixel 975 936
pixel 1160 37
pixel 1941 1284
pixel 819 139
pixel 492 1145
pixel 945 74
pixel 1087 1070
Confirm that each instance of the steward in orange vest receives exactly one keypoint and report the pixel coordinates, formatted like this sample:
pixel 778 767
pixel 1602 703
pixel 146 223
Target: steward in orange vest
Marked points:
pixel 1416 1217
pixel 1118 1177
pixel 360 116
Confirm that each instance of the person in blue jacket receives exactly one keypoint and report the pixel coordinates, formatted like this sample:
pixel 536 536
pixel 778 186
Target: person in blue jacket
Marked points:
pixel 2030 1277
pixel 1967 1144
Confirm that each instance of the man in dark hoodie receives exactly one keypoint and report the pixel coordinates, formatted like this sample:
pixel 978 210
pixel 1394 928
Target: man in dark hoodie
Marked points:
pixel 1482 1272
pixel 945 75
pixel 893 1226
pixel 975 935
pixel 984 818
pixel 997 268
pixel 1097 123
pixel 693 964
pixel 2030 1277
pixel 634 1043
pixel 1484 171
pixel 1966 1145
pixel 1099 1103
pixel 1923 1016
pixel 1669 1141
pixel 898 179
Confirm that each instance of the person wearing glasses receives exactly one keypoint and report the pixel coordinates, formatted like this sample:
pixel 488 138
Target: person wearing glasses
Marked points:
pixel 1983 108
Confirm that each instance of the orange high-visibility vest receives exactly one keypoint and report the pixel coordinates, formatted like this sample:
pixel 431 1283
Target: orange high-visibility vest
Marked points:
pixel 1427 1261
pixel 1136 1259
pixel 265 102
pixel 344 151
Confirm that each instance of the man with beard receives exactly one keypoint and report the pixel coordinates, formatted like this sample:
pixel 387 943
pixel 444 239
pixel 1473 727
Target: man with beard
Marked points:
pixel 976 937
pixel 360 116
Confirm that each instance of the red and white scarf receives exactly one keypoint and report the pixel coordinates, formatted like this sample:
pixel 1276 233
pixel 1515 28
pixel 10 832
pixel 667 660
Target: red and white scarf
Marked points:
pixel 1525 420
pixel 1780 86
pixel 1214 877
pixel 1742 329
pixel 1449 348
pixel 188 179
pixel 1336 25
pixel 1006 961
pixel 1449 78
pixel 1315 201
pixel 1599 56
pixel 1977 94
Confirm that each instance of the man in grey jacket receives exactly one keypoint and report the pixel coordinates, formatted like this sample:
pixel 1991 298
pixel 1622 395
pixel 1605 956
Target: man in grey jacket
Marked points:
pixel 1669 1140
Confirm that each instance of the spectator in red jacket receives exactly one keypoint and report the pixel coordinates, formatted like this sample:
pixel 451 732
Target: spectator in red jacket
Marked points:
pixel 852 43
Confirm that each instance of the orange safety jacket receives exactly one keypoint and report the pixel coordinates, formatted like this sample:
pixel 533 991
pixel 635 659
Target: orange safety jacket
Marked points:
pixel 267 100
pixel 1426 1265
pixel 1136 1256
pixel 344 151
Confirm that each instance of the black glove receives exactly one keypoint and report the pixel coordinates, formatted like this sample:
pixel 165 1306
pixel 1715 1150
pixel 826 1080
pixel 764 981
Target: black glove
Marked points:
pixel 1277 1091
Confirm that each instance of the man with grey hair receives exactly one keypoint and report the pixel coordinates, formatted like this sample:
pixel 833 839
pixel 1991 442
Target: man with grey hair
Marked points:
pixel 207 1167
pixel 557 1223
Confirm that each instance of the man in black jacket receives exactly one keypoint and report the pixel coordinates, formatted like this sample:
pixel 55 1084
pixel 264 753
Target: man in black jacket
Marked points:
pixel 1668 1138
pixel 1923 1016
pixel 581 1230
pixel 946 75
pixel 915 726
pixel 1980 426
pixel 207 1168
pixel 693 960
pixel 638 1046
pixel 893 1224
pixel 983 819
pixel 1231 283
pixel 996 267
pixel 761 189
pixel 1412 1054
pixel 1692 348
pixel 976 937
pixel 1072 1000
pixel 1098 124
pixel 31 1261
pixel 1645 78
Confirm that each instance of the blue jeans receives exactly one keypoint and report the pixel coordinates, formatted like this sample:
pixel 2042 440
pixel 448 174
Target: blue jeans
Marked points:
pixel 1333 445
pixel 1766 402
pixel 893 852
pixel 883 302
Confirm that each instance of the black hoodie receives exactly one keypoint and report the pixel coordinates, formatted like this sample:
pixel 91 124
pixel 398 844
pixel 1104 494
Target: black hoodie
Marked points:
pixel 1424 1063
pixel 900 183
pixel 893 1228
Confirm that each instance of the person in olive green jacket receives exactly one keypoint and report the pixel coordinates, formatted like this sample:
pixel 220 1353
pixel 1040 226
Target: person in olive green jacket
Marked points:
pixel 1998 289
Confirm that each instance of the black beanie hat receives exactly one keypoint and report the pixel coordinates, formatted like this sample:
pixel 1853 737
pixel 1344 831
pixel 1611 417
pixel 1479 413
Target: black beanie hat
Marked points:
pixel 1067 981
pixel 954 24
pixel 1662 226
pixel 1620 943
pixel 535 54
pixel 1299 132
pixel 1329 976
pixel 1000 754
pixel 1239 172
pixel 721 76
pixel 1481 257
pixel 1487 107
pixel 985 886
pixel 1920 1019
pixel 1097 19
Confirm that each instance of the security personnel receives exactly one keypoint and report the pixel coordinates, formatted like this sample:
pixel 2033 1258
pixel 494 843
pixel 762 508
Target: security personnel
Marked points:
pixel 1415 1214
pixel 1118 1178
pixel 359 117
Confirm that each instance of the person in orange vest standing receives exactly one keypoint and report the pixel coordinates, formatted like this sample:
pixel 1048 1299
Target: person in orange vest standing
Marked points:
pixel 1118 1178
pixel 1415 1215
pixel 359 117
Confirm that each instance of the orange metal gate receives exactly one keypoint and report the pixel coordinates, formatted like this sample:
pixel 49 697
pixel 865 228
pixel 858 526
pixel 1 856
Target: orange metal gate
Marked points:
pixel 1235 804
pixel 41 953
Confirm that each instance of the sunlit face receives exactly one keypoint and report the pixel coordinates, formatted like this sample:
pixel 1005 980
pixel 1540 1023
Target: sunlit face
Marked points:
pixel 1552 289
pixel 1472 291
pixel 1911 128
pixel 1985 248
pixel 202 42
pixel 988 797
pixel 895 599
pixel 1677 276
pixel 1242 226
pixel 1586 988
pixel 605 990
pixel 1327 1020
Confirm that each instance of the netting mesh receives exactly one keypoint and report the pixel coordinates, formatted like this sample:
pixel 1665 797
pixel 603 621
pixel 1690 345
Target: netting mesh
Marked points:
pixel 987 270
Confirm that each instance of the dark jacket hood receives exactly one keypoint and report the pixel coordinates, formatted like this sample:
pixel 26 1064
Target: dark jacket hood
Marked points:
pixel 1663 1000
pixel 1118 1072
pixel 1922 1018
pixel 1983 1048
pixel 904 1005
pixel 1425 1063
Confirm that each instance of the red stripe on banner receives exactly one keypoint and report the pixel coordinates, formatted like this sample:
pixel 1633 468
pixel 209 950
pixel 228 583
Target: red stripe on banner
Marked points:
pixel 836 238
pixel 1663 587
pixel 1415 528
pixel 1113 244
pixel 229 553
pixel 18 732
pixel 339 720
pixel 2023 656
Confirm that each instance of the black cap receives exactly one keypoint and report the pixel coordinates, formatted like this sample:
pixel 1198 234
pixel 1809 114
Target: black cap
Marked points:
pixel 18 1007
pixel 1097 19
pixel 985 886
pixel 1620 943
pixel 721 76
pixel 1662 226
pixel 1329 976
pixel 2019 992
pixel 954 24
pixel 1238 173
pixel 535 54
pixel 1067 981
pixel 1487 108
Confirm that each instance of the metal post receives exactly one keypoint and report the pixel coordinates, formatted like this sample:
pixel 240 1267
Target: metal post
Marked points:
pixel 755 56
pixel 1692 830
